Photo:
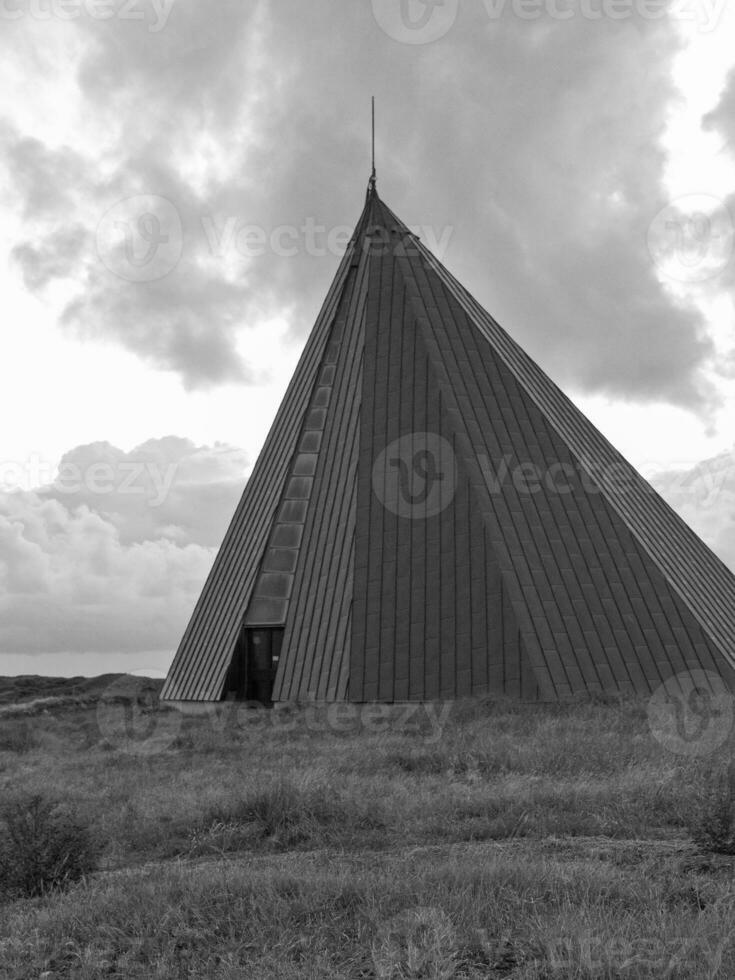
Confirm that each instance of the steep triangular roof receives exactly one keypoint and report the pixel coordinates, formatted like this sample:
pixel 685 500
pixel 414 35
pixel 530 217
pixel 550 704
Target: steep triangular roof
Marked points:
pixel 542 564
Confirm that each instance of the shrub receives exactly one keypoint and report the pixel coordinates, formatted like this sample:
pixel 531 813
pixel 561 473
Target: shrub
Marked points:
pixel 44 846
pixel 16 735
pixel 713 828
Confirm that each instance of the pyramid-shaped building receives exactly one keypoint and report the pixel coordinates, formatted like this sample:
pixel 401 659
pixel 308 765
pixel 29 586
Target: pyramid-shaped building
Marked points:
pixel 431 517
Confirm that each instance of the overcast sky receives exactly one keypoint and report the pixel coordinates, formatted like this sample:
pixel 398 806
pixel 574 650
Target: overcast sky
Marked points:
pixel 571 161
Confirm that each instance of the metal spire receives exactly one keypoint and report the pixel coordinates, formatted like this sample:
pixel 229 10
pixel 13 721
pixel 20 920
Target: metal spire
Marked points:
pixel 373 177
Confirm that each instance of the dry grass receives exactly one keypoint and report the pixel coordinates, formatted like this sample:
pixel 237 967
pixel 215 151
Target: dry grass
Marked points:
pixel 525 842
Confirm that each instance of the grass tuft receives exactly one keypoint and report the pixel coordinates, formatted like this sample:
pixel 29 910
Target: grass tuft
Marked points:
pixel 713 828
pixel 284 814
pixel 16 735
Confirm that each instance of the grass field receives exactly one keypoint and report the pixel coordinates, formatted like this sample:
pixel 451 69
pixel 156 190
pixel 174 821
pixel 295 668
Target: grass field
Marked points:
pixel 478 840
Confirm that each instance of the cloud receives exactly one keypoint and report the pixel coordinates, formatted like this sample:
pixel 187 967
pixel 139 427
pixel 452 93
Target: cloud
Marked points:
pixel 722 117
pixel 163 488
pixel 535 140
pixel 44 178
pixel 704 495
pixel 185 319
pixel 111 557
pixel 722 120
pixel 54 257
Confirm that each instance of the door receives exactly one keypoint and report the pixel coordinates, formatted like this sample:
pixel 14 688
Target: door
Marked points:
pixel 263 652
pixel 252 672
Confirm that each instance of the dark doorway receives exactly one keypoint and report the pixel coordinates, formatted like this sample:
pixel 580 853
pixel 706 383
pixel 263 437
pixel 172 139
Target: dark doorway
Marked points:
pixel 263 653
pixel 254 664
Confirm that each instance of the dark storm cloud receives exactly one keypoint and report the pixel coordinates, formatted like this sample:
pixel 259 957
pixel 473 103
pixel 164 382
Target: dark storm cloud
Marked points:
pixel 182 323
pixel 537 142
pixel 534 140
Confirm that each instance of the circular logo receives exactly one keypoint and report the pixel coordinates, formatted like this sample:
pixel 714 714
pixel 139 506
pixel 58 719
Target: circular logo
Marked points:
pixel 141 239
pixel 691 239
pixel 691 713
pixel 416 476
pixel 129 718
pixel 418 942
pixel 415 21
